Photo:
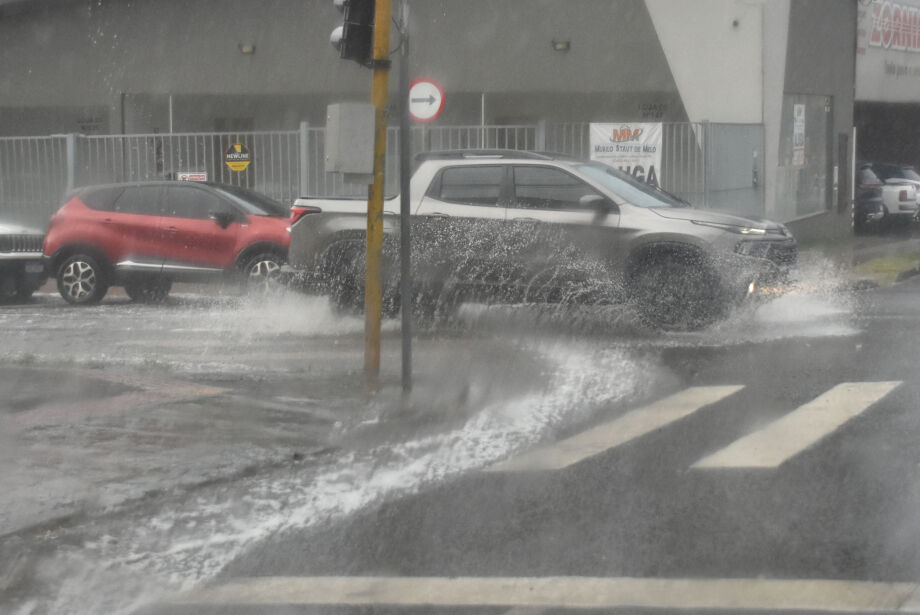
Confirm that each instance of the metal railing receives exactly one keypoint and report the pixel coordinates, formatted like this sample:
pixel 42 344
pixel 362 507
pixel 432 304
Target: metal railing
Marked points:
pixel 33 176
pixel 35 172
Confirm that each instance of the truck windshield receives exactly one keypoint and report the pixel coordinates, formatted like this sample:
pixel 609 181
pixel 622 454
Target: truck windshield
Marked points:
pixel 629 188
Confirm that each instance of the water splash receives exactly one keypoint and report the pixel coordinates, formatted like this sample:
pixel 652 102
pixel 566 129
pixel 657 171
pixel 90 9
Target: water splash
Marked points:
pixel 140 559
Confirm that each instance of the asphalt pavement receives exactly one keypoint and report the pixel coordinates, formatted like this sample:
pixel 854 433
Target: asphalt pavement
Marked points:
pixel 94 428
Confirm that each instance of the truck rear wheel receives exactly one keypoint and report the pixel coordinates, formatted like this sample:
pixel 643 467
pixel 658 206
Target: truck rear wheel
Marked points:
pixel 342 274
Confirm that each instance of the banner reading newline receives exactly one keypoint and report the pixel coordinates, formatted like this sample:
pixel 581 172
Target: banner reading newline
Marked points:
pixel 632 148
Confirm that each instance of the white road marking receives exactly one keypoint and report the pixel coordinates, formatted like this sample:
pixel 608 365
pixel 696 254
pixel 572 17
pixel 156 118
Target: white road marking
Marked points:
pixel 615 433
pixel 816 595
pixel 800 429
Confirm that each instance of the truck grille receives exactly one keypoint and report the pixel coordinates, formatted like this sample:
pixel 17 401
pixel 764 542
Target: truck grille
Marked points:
pixel 21 244
pixel 783 253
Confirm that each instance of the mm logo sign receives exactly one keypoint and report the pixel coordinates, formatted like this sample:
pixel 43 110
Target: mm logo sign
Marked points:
pixel 635 149
pixel 237 157
pixel 624 134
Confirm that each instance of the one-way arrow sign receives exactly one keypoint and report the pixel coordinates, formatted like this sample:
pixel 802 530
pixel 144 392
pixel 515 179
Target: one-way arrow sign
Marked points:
pixel 426 100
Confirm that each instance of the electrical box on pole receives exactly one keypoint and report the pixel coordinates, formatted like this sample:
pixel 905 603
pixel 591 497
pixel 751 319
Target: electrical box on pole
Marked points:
pixel 350 141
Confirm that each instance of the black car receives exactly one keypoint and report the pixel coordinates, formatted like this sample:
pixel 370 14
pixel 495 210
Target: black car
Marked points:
pixel 885 194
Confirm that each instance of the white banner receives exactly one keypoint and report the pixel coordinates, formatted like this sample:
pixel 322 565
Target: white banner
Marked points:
pixel 798 136
pixel 632 148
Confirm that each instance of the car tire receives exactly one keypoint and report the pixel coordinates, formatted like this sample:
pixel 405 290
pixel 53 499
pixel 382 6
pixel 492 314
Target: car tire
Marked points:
pixel 24 290
pixel 81 280
pixel 674 294
pixel 153 289
pixel 14 287
pixel 262 272
pixel 860 224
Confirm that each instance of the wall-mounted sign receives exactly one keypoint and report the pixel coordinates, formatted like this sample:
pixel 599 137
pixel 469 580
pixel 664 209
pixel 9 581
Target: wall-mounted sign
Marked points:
pixel 632 148
pixel 888 51
pixel 798 136
pixel 191 176
pixel 237 157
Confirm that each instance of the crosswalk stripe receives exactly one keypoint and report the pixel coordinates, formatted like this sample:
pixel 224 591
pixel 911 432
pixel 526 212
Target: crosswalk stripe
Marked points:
pixel 790 435
pixel 615 433
pixel 815 595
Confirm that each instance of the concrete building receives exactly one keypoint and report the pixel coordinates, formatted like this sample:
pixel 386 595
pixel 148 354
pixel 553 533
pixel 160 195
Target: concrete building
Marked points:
pixel 787 68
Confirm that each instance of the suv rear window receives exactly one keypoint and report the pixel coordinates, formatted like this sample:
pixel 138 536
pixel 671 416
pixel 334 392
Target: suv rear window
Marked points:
pixel 190 202
pixel 101 198
pixel 138 200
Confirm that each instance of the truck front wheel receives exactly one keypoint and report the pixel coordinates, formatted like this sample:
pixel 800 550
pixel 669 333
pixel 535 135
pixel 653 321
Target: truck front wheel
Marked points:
pixel 672 294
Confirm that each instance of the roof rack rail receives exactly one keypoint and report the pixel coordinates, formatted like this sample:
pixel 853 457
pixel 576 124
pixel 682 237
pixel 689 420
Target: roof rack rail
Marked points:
pixel 467 154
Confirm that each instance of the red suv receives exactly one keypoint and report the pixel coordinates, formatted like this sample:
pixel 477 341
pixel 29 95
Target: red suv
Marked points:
pixel 144 236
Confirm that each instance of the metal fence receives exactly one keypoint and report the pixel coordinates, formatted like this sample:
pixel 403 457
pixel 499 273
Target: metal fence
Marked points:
pixel 699 161
pixel 33 176
pixel 708 164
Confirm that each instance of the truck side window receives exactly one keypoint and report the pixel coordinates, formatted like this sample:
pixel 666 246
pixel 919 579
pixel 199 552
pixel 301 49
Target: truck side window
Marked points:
pixel 547 188
pixel 471 185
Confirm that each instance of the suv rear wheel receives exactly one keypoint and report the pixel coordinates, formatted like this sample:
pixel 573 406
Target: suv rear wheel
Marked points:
pixel 148 289
pixel 81 280
pixel 262 271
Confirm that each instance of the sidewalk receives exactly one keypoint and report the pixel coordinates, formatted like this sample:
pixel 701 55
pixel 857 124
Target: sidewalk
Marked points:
pixel 872 259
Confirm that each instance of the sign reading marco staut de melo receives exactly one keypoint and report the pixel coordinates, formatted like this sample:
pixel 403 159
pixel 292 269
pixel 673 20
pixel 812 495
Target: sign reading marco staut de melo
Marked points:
pixel 633 148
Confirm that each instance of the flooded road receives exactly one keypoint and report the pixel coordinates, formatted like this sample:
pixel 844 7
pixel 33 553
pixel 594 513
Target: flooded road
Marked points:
pixel 149 447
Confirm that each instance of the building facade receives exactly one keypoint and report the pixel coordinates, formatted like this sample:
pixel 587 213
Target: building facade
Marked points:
pixel 771 80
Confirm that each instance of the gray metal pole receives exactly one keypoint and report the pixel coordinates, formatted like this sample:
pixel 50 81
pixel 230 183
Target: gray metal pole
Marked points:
pixel 71 150
pixel 405 144
pixel 304 142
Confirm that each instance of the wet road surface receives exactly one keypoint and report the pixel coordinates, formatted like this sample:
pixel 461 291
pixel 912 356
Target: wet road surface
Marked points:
pixel 264 456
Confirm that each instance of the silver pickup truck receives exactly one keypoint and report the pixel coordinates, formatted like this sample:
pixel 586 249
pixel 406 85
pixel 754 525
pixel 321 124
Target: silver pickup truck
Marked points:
pixel 523 227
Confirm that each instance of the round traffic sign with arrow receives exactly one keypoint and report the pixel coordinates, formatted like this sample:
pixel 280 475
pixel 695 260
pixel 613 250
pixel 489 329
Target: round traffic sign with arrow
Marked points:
pixel 426 100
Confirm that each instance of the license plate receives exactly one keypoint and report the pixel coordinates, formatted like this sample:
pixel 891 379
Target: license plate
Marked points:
pixel 34 267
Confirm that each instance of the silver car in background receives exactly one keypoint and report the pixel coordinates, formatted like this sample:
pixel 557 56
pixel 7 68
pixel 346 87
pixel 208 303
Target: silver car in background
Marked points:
pixel 22 270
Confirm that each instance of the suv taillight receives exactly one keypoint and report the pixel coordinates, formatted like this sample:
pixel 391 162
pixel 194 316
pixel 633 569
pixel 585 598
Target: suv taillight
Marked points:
pixel 299 211
pixel 904 195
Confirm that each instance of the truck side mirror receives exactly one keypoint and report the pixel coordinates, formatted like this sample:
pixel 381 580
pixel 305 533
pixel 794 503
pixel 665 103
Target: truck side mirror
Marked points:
pixel 602 206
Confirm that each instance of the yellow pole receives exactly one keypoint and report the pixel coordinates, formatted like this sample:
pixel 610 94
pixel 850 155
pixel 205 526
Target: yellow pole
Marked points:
pixel 373 294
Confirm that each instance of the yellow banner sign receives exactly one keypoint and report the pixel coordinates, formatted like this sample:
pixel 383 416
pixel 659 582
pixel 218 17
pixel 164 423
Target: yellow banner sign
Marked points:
pixel 237 157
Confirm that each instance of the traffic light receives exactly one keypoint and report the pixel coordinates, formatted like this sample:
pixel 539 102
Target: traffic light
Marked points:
pixel 354 39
